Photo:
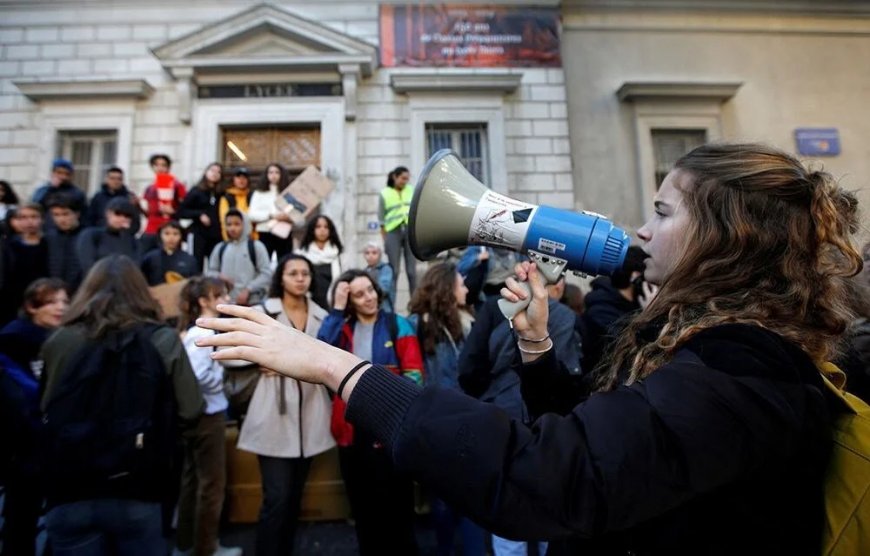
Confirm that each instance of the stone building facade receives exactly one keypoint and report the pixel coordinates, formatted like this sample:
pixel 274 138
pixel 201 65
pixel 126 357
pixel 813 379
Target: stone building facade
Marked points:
pixel 184 79
pixel 639 83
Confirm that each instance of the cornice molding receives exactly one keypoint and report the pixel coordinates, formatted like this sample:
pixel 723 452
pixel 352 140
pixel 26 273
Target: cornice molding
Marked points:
pixel 465 82
pixel 632 91
pixel 109 88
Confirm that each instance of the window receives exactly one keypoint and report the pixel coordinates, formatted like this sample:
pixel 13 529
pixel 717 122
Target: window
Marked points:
pixel 469 142
pixel 670 144
pixel 92 153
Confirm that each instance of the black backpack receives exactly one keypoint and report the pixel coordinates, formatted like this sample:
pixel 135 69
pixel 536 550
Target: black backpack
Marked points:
pixel 252 253
pixel 110 421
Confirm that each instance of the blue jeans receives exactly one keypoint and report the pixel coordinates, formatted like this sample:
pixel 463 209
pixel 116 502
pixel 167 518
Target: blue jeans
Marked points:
pixel 506 547
pixel 106 526
pixel 447 522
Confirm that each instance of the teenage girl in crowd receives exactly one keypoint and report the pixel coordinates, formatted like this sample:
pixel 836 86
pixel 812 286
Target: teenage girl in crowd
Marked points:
pixel 45 304
pixel 287 423
pixel 263 213
pixel 201 207
pixel 90 512
pixel 204 471
pixel 322 246
pixel 169 262
pixel 381 499
pixel 710 431
pixel 443 322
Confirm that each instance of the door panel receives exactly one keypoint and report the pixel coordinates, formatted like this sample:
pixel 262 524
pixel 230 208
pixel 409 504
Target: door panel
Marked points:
pixel 255 148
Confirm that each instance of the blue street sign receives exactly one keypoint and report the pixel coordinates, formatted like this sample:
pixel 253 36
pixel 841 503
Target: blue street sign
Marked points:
pixel 817 141
pixel 373 225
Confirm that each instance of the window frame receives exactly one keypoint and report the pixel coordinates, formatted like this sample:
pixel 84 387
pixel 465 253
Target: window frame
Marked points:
pixel 84 116
pixel 461 109
pixel 96 166
pixel 455 130
pixel 654 115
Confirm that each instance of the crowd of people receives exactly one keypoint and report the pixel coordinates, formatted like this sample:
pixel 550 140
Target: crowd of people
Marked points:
pixel 644 418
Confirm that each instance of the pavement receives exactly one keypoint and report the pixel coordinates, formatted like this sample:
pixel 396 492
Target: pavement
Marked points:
pixel 325 538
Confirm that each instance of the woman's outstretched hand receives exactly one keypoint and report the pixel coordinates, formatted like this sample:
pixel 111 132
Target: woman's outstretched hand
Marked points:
pixel 256 337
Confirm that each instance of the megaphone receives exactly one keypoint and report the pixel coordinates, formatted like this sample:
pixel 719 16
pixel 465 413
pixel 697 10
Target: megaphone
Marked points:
pixel 451 208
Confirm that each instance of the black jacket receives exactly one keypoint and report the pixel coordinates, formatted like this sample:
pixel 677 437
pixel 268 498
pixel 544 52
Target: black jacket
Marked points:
pixel 97 208
pixel 856 359
pixel 157 262
pixel 720 451
pixel 63 257
pixel 197 202
pixel 96 243
pixel 22 264
pixel 604 316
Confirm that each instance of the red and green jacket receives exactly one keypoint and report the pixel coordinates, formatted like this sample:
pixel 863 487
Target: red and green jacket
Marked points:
pixel 403 359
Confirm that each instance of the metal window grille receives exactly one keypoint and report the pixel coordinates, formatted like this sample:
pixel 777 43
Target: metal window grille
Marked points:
pixel 670 144
pixel 469 142
pixel 92 152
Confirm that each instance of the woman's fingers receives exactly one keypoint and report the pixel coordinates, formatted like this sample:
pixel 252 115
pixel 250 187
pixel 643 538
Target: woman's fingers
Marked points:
pixel 537 281
pixel 234 338
pixel 245 353
pixel 247 313
pixel 231 325
pixel 514 289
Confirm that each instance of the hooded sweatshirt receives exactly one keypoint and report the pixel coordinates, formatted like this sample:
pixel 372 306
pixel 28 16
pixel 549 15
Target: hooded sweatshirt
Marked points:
pixel 233 260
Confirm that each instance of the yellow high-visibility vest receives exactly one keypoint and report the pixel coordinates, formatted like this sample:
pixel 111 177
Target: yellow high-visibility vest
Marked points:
pixel 397 207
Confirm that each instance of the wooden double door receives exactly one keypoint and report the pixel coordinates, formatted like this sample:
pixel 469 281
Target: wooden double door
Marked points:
pixel 255 148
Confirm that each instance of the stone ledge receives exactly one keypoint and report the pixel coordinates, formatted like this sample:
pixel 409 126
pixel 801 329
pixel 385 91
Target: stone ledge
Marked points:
pixel 630 91
pixel 487 82
pixel 53 90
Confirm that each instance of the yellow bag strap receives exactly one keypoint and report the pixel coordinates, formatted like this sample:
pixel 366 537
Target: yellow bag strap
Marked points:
pixel 835 380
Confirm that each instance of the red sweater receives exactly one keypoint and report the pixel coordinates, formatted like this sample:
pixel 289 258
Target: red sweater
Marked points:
pixel 165 190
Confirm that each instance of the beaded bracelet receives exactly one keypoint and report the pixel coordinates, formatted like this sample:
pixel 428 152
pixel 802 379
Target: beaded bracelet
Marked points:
pixel 352 372
pixel 535 351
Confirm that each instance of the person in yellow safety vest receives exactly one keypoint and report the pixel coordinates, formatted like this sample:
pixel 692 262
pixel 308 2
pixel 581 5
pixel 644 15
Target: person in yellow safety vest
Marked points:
pixel 394 206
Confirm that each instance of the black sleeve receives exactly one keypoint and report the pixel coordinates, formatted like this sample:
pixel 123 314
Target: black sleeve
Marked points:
pixel 189 207
pixel 87 249
pixel 548 386
pixel 616 460
pixel 150 269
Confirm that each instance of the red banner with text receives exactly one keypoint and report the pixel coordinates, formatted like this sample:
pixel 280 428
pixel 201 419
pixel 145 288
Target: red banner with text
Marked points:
pixel 469 36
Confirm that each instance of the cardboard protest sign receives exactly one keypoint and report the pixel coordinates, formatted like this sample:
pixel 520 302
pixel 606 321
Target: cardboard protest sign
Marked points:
pixel 300 199
pixel 169 297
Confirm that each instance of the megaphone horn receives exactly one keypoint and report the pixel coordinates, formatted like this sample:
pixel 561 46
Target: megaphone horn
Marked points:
pixel 451 208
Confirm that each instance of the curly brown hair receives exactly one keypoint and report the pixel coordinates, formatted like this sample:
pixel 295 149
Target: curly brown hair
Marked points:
pixel 771 247
pixel 435 304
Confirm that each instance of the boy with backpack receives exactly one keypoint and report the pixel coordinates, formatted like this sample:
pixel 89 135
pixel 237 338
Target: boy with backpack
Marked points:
pixel 241 261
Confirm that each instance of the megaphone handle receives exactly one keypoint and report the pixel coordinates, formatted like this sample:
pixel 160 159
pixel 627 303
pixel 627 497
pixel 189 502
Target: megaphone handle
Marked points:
pixel 510 308
pixel 551 268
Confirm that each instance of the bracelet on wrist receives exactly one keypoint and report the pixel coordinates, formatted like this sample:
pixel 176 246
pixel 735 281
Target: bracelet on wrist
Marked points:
pixel 352 372
pixel 535 351
pixel 534 340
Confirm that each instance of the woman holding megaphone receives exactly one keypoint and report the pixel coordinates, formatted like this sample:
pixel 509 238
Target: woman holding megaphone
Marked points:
pixel 710 430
